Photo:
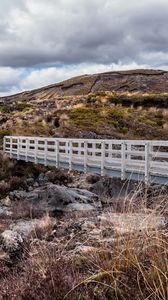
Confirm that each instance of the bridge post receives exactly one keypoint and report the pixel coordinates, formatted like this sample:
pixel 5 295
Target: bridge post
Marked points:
pixel 85 157
pixel 123 160
pixel 26 157
pixel 70 155
pixel 147 163
pixel 45 152
pixel 10 147
pixel 57 153
pixel 35 150
pixel 18 148
pixel 102 157
pixel 129 151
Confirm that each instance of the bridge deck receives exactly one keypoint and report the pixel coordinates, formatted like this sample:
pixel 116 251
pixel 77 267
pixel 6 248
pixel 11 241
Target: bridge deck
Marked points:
pixel 137 160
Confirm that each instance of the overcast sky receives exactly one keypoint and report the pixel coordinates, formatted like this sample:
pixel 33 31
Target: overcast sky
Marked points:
pixel 46 41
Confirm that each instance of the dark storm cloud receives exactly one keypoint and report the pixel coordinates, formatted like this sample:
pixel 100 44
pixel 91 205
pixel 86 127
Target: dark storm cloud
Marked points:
pixel 79 35
pixel 103 31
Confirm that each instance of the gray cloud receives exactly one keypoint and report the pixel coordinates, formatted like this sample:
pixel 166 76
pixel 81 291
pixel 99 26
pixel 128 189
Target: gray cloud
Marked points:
pixel 44 33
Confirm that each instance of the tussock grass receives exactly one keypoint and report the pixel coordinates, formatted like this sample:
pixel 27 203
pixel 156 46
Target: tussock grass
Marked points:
pixel 130 262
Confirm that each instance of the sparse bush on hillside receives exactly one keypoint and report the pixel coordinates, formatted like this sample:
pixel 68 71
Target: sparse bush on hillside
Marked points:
pixel 5 109
pixel 94 118
pixel 4 132
pixel 22 106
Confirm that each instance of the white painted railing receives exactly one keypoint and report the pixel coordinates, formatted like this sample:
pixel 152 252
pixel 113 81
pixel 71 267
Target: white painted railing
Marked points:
pixel 138 160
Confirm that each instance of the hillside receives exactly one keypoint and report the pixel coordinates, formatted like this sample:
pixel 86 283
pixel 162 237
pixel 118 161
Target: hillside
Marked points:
pixel 127 104
pixel 141 81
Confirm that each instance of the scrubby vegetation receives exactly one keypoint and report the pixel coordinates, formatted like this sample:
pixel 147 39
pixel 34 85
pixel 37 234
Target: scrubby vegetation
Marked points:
pixel 104 114
pixel 93 117
pixel 131 265
pixel 22 106
pixel 120 121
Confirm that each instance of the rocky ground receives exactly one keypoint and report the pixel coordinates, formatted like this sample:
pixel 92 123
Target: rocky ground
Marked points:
pixel 74 236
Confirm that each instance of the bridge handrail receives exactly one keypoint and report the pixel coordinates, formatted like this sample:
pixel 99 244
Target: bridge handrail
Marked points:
pixel 145 157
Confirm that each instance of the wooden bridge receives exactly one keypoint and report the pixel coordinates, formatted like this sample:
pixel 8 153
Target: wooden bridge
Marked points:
pixel 137 160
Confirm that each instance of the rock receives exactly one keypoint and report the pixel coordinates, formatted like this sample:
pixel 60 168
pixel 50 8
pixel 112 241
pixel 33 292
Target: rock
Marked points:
pixel 41 180
pixel 17 195
pixel 62 196
pixel 99 188
pixel 53 197
pixel 88 225
pixel 4 211
pixel 6 201
pixel 79 207
pixel 36 184
pixel 30 181
pixel 84 195
pixel 30 189
pixel 32 196
pixel 10 241
pixel 92 178
pixel 3 255
pixel 24 228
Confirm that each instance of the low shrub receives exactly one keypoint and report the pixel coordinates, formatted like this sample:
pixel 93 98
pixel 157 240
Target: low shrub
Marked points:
pixel 58 177
pixel 27 210
pixel 17 183
pixel 4 188
pixel 44 277
pixel 22 107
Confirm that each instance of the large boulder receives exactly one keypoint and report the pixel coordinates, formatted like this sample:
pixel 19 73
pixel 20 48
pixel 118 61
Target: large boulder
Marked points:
pixel 54 197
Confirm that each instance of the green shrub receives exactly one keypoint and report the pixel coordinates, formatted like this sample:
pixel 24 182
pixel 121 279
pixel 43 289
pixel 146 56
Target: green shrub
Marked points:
pixel 97 117
pixel 22 107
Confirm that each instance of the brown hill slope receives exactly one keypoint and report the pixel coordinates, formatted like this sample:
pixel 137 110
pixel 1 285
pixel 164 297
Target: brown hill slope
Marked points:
pixel 140 81
pixel 127 104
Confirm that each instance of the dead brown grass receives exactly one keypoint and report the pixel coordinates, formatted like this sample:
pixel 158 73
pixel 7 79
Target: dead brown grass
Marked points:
pixel 132 266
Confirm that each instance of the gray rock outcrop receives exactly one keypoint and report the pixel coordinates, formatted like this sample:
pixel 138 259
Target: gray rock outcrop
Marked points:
pixel 54 197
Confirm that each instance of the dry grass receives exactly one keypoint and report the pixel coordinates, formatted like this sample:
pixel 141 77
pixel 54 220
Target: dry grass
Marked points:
pixel 130 262
pixel 26 210
pixel 136 269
